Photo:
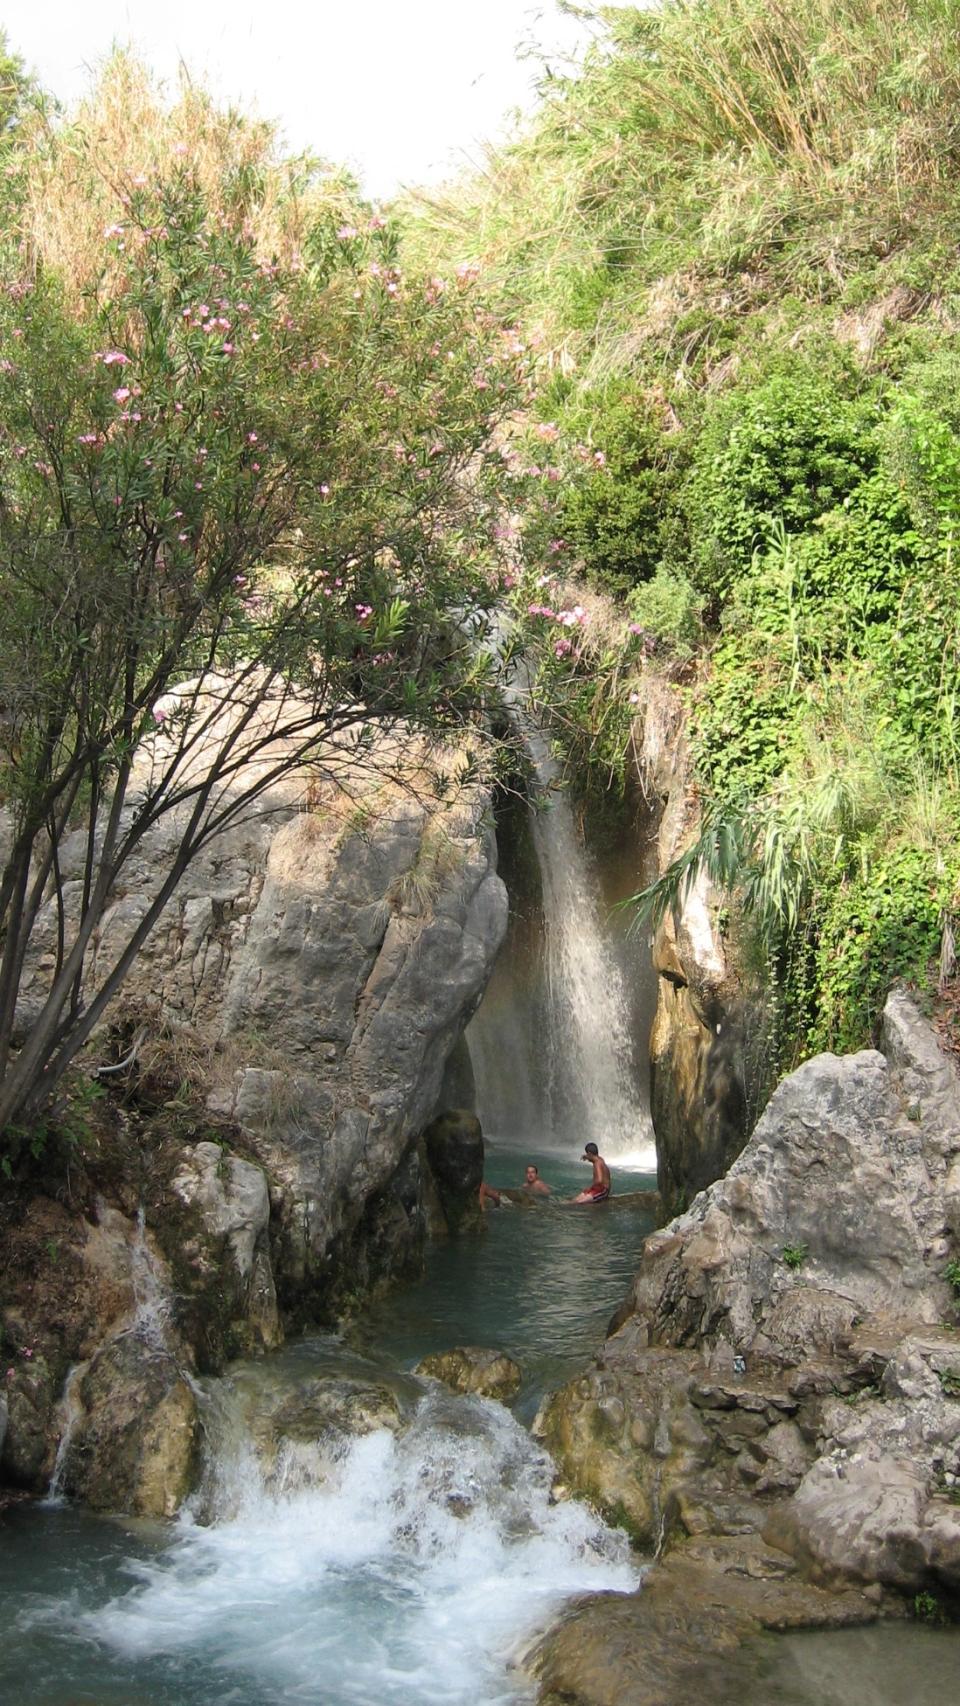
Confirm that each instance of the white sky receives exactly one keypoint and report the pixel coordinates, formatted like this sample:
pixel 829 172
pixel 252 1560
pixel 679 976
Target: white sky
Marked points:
pixel 399 89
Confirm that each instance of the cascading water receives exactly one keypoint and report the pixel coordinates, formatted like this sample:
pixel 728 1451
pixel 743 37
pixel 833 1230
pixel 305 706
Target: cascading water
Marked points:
pixel 552 1046
pixel 400 1567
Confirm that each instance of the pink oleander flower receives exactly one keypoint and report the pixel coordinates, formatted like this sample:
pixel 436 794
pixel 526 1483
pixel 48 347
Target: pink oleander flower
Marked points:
pixel 364 611
pixel 599 459
pixel 345 232
pixel 122 393
pixel 113 231
pixel 377 223
pixel 228 349
pixel 634 628
pixel 88 438
pixel 113 358
pixel 252 438
pixel 562 647
pixel 634 699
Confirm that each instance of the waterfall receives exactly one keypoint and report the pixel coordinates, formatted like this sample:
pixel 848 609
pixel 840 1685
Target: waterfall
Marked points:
pixel 553 1044
pixel 407 1569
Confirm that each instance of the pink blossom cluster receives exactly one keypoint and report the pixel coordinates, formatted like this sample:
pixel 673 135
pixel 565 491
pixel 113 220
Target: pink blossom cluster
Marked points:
pixel 575 618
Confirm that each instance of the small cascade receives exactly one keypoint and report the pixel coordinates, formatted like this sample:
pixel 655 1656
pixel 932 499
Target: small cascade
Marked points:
pixel 151 1320
pixel 409 1571
pixel 72 1410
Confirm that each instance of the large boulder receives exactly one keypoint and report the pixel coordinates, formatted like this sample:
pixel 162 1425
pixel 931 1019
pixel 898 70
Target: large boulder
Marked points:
pixel 786 1363
pixel 312 972
pixel 135 1433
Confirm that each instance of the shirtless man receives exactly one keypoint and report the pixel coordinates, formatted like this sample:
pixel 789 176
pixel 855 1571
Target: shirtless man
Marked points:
pixel 599 1189
pixel 533 1182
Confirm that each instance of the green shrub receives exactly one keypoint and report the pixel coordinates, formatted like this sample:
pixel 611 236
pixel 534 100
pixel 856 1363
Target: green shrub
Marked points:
pixel 620 513
pixel 792 448
pixel 872 930
pixel 670 609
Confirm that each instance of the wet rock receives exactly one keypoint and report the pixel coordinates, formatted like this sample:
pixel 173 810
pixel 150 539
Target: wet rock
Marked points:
pixel 453 1143
pixel 221 1252
pixel 672 1641
pixel 135 1440
pixel 470 1368
pixel 334 1404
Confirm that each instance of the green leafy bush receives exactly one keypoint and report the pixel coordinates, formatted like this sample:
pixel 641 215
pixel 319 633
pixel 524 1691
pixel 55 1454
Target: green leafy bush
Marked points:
pixel 873 930
pixel 791 447
pixel 620 511
pixel 670 609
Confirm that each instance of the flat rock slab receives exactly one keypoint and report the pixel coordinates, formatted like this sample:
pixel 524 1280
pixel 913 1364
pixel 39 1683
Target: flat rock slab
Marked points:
pixel 672 1641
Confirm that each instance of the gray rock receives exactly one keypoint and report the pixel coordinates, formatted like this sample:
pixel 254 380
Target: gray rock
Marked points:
pixel 231 1202
pixel 839 1438
pixel 324 963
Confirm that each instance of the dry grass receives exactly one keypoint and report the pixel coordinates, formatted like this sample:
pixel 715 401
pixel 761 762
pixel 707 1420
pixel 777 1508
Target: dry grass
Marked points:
pixel 128 136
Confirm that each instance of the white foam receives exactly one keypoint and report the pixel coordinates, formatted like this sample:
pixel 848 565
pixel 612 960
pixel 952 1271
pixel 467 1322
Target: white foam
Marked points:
pixel 409 1576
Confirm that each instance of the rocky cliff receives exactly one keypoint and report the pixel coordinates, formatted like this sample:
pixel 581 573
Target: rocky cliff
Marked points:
pixel 281 1041
pixel 781 1398
pixel 706 1043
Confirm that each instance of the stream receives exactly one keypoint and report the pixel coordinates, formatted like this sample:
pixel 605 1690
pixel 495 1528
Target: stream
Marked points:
pixel 398 1568
pixel 403 1568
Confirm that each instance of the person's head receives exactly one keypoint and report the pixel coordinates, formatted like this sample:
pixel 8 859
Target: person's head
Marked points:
pixel 532 1174
pixel 589 1151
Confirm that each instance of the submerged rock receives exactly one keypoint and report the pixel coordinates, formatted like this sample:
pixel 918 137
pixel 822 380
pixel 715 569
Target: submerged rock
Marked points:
pixel 672 1641
pixel 470 1368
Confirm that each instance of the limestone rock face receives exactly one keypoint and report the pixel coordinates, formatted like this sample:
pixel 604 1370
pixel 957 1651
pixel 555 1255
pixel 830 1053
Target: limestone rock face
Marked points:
pixel 706 1040
pixel 232 1295
pixel 331 969
pixel 470 1368
pixel 787 1364
pixel 315 968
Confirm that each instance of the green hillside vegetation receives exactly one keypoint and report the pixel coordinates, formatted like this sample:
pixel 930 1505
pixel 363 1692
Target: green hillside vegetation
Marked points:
pixel 733 244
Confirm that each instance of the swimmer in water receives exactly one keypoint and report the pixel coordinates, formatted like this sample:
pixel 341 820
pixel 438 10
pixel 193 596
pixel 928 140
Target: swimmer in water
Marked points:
pixel 599 1189
pixel 533 1182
